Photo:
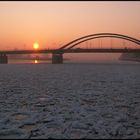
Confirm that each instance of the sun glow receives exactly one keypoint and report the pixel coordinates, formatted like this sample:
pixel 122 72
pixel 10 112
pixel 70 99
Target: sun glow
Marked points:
pixel 35 45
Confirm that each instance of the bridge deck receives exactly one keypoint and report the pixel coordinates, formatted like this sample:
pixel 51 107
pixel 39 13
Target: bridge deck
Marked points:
pixel 102 51
pixel 77 50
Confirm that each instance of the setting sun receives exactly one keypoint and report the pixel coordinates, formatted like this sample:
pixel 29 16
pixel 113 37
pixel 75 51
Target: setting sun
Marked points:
pixel 35 45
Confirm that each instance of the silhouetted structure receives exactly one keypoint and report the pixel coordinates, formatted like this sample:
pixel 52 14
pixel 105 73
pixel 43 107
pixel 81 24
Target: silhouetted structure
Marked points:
pixel 57 54
pixel 130 56
pixel 3 58
pixel 57 58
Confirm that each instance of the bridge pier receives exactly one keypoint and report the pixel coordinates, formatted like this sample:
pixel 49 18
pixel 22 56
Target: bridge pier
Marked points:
pixel 3 58
pixel 57 58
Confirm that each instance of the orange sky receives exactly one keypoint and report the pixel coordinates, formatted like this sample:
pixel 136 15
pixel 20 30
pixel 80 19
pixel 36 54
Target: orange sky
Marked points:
pixel 53 23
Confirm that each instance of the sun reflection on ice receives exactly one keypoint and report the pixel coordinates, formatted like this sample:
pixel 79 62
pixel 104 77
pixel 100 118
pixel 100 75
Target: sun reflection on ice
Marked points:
pixel 36 61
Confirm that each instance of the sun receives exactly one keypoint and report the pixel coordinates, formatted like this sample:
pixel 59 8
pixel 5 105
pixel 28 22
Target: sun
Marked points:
pixel 35 45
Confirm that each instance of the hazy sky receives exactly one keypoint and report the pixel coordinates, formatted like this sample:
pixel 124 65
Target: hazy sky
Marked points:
pixel 53 23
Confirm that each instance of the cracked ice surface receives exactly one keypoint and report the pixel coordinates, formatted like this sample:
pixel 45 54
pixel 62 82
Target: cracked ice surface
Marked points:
pixel 70 101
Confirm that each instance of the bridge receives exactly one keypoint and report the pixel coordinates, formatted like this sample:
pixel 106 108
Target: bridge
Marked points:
pixel 57 54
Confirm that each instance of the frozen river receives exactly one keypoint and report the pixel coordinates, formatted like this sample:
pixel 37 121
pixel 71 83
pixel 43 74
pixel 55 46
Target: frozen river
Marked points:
pixel 95 100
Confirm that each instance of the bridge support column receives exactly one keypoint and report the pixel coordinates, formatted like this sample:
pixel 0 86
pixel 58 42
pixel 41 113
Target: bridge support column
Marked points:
pixel 3 58
pixel 57 58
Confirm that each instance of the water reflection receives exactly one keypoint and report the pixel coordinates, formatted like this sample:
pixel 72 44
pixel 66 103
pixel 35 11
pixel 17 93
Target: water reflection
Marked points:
pixel 35 61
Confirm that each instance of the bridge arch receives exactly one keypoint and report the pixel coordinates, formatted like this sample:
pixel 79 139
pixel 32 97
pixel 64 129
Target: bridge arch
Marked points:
pixel 75 42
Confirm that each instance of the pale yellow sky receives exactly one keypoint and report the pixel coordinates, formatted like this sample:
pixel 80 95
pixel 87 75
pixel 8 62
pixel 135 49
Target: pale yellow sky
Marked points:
pixel 54 23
